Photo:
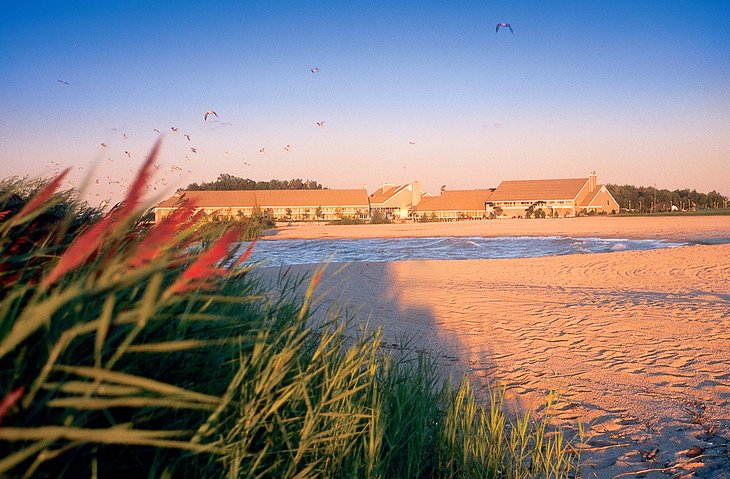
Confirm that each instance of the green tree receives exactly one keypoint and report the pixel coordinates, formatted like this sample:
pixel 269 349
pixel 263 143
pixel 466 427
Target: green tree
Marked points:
pixel 226 182
pixel 641 198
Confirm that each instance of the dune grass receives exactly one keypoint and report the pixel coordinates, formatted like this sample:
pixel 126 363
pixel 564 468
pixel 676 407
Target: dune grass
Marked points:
pixel 128 351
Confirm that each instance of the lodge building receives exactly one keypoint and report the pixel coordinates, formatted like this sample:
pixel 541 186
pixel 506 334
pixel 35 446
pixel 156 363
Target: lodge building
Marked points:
pixel 512 198
pixel 396 201
pixel 279 204
pixel 557 197
pixel 456 204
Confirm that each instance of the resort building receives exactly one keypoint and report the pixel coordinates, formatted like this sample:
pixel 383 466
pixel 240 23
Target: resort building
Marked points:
pixel 558 197
pixel 396 202
pixel 280 204
pixel 456 204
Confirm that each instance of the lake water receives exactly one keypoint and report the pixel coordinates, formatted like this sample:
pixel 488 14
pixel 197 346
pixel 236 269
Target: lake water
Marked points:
pixel 287 252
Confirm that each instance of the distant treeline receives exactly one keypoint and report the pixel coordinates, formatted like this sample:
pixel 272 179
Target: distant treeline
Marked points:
pixel 642 198
pixel 230 182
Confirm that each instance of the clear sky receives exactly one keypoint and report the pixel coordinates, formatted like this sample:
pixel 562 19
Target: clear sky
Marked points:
pixel 638 91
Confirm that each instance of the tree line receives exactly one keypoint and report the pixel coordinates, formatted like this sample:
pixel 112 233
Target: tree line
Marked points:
pixel 230 182
pixel 648 198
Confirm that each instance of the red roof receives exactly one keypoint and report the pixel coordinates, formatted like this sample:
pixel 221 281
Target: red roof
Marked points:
pixel 385 193
pixel 270 198
pixel 456 200
pixel 535 190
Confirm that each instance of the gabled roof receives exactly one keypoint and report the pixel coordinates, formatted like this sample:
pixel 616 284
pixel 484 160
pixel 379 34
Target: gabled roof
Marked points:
pixel 456 200
pixel 591 196
pixel 270 198
pixel 588 201
pixel 535 190
pixel 384 194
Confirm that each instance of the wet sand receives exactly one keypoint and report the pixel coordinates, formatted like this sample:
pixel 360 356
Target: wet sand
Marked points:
pixel 637 343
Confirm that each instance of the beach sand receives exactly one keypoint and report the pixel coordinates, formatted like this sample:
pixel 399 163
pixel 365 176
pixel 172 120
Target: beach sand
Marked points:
pixel 637 343
pixel 649 227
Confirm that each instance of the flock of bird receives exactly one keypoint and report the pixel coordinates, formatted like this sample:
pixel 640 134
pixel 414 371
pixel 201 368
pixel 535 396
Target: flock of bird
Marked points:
pixel 206 116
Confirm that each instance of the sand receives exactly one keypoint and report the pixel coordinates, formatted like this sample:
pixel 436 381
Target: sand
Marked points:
pixel 637 343
pixel 670 227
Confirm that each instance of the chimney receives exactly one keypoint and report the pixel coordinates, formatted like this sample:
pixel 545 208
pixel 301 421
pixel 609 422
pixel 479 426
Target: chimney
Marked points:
pixel 592 181
pixel 416 193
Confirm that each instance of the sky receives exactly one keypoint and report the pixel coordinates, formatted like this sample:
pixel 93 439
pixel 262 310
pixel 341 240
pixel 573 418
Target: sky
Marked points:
pixel 637 91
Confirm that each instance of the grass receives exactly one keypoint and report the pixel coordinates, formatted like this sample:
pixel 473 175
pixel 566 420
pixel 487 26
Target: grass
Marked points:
pixel 706 212
pixel 129 351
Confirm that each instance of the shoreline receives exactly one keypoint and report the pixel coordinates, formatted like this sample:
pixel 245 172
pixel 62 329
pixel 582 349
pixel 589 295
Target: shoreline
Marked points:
pixel 697 229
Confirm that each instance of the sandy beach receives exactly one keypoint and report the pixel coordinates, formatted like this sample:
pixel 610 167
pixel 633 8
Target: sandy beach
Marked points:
pixel 656 227
pixel 637 343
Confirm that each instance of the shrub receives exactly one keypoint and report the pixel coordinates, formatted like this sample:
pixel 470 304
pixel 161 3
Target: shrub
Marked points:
pixel 379 218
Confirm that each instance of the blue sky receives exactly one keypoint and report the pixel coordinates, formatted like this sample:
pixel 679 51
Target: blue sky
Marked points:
pixel 637 91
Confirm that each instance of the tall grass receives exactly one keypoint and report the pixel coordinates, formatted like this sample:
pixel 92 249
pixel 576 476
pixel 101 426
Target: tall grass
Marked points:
pixel 129 351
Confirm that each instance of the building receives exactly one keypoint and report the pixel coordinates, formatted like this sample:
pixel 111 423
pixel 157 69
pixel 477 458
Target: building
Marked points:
pixel 456 204
pixel 280 204
pixel 557 197
pixel 396 202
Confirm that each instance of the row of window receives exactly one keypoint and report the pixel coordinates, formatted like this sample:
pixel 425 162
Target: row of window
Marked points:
pixel 527 204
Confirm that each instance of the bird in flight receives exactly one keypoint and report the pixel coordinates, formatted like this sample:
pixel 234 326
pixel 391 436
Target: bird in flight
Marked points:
pixel 128 154
pixel 287 148
pixel 174 130
pixel 412 142
pixel 193 150
pixel 208 113
pixel 156 130
pixel 262 151
pixel 187 136
pixel 504 24
pixel 314 70
pixel 103 145
pixel 320 124
pixel 64 82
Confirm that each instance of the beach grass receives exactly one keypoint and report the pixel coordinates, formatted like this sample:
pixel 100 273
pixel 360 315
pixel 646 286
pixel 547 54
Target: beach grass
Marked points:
pixel 130 351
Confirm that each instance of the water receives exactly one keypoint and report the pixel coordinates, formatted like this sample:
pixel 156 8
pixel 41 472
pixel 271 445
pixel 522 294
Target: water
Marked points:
pixel 287 252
